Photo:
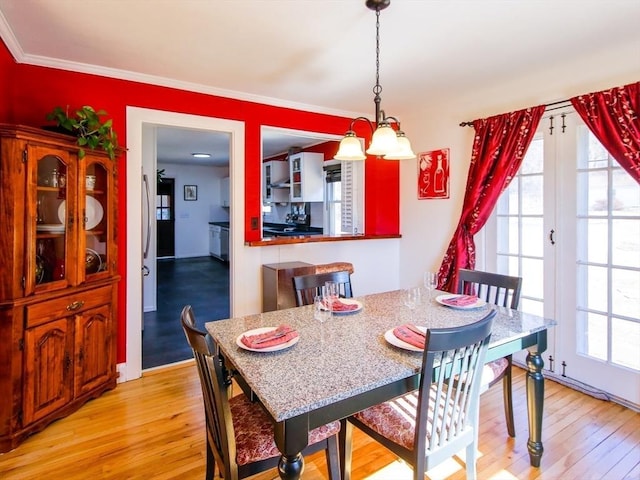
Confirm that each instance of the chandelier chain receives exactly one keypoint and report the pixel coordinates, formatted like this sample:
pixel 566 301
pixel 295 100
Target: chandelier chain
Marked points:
pixel 377 89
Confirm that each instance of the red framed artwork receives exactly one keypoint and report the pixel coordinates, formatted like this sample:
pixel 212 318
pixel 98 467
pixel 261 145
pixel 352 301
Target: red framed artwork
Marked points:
pixel 433 174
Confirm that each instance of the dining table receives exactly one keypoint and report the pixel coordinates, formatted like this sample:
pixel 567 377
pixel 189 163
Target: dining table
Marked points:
pixel 351 361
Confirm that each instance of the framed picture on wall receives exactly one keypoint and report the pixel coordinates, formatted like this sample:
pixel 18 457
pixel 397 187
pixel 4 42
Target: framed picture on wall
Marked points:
pixel 191 192
pixel 433 174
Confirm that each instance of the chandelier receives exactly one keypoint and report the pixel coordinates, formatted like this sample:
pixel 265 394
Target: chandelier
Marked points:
pixel 386 142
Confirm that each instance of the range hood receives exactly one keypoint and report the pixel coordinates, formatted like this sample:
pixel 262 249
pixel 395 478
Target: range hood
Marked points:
pixel 281 184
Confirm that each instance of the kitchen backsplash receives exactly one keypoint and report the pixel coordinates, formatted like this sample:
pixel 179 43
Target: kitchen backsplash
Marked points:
pixel 279 213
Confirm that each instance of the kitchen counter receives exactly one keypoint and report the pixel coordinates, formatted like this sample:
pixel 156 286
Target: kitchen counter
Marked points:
pixel 301 238
pixel 288 230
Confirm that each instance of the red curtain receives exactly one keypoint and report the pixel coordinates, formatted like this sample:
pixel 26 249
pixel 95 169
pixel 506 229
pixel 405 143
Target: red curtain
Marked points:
pixel 613 117
pixel 498 149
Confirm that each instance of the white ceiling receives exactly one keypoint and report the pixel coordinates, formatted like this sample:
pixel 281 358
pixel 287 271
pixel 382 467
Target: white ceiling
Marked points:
pixel 319 55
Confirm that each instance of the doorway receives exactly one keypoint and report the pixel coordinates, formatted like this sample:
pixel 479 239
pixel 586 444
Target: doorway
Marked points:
pixel 141 161
pixel 165 218
pixel 568 224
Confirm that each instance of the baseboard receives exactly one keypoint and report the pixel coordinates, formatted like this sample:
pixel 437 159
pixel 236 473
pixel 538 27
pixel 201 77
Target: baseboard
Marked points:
pixel 583 388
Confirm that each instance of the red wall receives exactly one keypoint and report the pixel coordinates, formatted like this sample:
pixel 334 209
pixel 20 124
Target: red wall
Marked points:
pixel 30 92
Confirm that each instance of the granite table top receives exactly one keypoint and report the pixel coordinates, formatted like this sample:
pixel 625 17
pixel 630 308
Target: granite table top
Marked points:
pixel 347 354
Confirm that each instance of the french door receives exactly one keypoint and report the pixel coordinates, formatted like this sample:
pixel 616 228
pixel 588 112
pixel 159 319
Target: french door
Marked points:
pixel 569 224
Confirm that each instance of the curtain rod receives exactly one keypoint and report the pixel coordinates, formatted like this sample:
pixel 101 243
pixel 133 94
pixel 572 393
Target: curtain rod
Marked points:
pixel 548 107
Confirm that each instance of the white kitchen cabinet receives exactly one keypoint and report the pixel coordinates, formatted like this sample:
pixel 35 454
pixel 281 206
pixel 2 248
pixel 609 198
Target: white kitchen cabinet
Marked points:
pixel 306 176
pixel 275 173
pixel 215 247
pixel 219 242
pixel 224 244
pixel 225 200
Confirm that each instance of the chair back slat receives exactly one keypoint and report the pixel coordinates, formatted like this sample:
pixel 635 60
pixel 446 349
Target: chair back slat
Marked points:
pixel 495 288
pixel 306 287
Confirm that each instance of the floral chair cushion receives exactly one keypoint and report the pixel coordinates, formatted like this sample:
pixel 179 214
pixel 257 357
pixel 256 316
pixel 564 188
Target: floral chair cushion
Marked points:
pixel 254 431
pixel 396 419
pixel 493 370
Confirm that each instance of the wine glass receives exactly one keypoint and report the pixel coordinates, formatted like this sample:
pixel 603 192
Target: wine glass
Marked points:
pixel 430 282
pixel 331 293
pixel 412 297
pixel 321 311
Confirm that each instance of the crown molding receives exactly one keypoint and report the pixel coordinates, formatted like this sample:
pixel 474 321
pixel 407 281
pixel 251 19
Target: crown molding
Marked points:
pixel 6 34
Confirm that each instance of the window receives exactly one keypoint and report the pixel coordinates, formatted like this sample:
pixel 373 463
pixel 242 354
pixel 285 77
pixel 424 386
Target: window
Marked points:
pixel 163 207
pixel 343 188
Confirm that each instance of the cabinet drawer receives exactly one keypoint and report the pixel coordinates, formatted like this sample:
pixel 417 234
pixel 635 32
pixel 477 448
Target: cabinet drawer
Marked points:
pixel 67 305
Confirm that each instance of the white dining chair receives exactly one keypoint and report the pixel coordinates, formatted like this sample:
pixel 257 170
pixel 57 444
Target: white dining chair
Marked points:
pixel 431 424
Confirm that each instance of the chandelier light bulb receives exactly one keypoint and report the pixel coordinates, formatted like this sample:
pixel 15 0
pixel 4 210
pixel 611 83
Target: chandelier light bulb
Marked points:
pixel 350 148
pixel 404 150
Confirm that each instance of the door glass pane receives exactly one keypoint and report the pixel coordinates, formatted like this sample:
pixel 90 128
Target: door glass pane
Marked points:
pixel 625 296
pixel 592 335
pixel 625 238
pixel 534 158
pixel 533 280
pixel 626 194
pixel 532 236
pixel 534 307
pixel 51 220
pixel 503 240
pixel 514 240
pixel 95 219
pixel 596 193
pixel 598 157
pixel 597 231
pixel 625 338
pixel 532 195
pixel 597 287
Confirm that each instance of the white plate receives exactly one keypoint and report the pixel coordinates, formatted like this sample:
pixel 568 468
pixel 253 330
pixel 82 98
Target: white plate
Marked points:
pixel 93 212
pixel 348 301
pixel 51 227
pixel 396 342
pixel 258 331
pixel 479 302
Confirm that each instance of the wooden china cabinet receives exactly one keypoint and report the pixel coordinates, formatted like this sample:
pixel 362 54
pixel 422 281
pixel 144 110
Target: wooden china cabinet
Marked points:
pixel 58 278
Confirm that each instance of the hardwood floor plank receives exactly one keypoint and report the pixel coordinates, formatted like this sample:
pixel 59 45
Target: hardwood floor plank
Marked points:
pixel 153 428
pixel 630 462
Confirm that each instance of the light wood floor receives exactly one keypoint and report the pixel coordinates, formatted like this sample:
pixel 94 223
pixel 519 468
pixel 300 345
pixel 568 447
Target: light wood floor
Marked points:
pixel 153 428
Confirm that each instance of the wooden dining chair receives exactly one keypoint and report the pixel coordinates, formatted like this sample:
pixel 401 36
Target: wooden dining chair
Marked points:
pixel 431 424
pixel 501 290
pixel 306 287
pixel 239 432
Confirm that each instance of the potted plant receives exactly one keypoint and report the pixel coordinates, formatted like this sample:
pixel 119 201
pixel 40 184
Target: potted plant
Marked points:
pixel 87 126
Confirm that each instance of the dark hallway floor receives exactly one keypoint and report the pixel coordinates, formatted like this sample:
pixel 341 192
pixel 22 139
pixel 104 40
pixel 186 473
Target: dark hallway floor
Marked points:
pixel 203 283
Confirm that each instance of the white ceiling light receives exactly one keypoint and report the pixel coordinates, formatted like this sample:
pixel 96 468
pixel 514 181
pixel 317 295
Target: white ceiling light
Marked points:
pixel 385 141
pixel 201 155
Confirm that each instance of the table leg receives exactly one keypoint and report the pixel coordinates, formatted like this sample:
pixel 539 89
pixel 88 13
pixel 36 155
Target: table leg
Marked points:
pixel 290 467
pixel 535 401
pixel 291 437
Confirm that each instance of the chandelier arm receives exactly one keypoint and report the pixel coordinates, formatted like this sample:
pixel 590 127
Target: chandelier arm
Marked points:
pixel 390 117
pixel 365 119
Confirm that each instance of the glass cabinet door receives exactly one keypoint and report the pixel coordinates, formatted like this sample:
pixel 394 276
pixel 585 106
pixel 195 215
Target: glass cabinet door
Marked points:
pixel 97 233
pixel 53 197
